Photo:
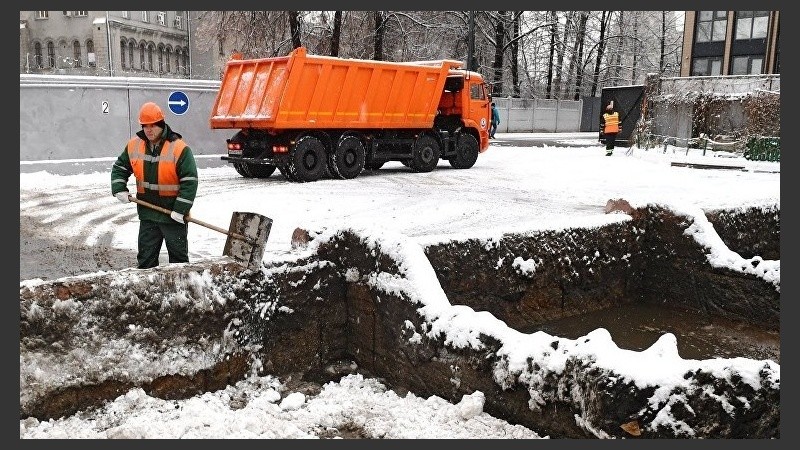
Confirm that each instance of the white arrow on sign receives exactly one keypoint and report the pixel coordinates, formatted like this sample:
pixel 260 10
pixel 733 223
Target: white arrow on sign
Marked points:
pixel 176 102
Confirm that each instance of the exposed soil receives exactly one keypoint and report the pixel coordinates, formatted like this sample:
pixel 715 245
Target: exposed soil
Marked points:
pixel 633 326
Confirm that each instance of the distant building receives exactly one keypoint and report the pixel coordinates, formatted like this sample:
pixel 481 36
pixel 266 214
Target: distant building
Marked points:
pixel 107 43
pixel 731 43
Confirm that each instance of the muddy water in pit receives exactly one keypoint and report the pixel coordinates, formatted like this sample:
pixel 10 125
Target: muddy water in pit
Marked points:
pixel 638 326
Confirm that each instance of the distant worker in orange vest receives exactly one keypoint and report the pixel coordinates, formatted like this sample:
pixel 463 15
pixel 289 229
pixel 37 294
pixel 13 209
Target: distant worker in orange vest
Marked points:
pixel 166 176
pixel 610 124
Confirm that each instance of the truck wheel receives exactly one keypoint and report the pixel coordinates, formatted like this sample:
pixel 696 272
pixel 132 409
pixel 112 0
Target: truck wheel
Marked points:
pixel 425 155
pixel 241 168
pixel 284 170
pixel 260 170
pixel 347 161
pixel 467 151
pixel 307 159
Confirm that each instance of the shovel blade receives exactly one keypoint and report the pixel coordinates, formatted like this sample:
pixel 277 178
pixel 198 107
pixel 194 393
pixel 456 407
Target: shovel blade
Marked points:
pixel 256 228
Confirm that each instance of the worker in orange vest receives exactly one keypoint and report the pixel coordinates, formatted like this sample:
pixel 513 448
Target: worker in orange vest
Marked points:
pixel 166 175
pixel 610 124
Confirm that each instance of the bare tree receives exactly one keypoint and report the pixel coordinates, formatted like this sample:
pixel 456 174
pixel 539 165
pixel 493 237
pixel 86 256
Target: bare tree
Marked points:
pixel 515 44
pixel 581 38
pixel 553 35
pixel 605 19
pixel 522 53
pixel 337 33
pixel 294 26
pixel 380 31
pixel 499 43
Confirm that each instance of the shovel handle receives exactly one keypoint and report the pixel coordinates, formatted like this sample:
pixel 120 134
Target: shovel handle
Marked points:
pixel 189 219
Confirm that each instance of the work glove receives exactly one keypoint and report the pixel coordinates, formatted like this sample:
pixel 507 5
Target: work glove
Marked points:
pixel 123 196
pixel 176 216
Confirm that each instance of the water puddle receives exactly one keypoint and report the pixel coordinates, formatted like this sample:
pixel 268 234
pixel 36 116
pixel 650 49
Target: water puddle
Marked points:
pixel 638 326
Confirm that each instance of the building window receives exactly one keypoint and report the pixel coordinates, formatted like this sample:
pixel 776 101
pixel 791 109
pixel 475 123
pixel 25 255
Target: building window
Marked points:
pixel 150 58
pixel 122 54
pixel 126 15
pixel 76 53
pixel 145 17
pixel 711 26
pixel 37 55
pixel 160 59
pixel 161 18
pixel 51 54
pixel 142 60
pixel 42 14
pixel 167 58
pixel 186 62
pixel 90 56
pixel 179 20
pixel 707 66
pixel 751 24
pixel 746 65
pixel 79 13
pixel 130 54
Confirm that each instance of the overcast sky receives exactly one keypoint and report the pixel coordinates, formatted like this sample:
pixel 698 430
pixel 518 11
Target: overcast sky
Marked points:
pixel 512 188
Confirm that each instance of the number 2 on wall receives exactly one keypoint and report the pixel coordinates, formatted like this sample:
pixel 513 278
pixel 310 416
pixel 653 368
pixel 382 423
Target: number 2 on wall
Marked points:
pixel 104 106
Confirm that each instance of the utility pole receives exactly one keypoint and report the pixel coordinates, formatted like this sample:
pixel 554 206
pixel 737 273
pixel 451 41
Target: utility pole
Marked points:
pixel 471 42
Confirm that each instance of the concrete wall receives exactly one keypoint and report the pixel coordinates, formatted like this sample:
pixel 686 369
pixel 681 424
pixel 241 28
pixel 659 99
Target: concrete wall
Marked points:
pixel 538 115
pixel 63 117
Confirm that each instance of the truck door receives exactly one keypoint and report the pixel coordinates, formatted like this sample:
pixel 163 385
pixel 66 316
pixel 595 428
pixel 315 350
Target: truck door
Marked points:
pixel 479 110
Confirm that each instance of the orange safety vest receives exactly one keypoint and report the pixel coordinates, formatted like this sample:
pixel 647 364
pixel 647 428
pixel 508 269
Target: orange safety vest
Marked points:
pixel 611 122
pixel 168 182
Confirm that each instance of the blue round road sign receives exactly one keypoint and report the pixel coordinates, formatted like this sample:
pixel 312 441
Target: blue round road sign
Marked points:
pixel 178 103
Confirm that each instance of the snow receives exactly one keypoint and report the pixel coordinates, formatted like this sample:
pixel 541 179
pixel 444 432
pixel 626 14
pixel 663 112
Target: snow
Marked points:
pixel 512 188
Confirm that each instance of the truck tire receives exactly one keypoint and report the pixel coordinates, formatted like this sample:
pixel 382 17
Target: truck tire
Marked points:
pixel 260 170
pixel 425 154
pixel 467 151
pixel 241 169
pixel 307 160
pixel 347 161
pixel 284 170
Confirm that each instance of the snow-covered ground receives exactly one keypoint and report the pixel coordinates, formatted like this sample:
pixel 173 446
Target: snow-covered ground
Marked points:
pixel 512 188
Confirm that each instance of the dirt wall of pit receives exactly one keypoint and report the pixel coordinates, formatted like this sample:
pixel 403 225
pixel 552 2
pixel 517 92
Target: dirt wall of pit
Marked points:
pixel 303 318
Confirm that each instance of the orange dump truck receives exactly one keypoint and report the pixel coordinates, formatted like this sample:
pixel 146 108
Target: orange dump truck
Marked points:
pixel 311 116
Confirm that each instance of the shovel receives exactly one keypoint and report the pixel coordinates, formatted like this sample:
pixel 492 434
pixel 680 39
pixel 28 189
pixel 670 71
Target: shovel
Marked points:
pixel 247 234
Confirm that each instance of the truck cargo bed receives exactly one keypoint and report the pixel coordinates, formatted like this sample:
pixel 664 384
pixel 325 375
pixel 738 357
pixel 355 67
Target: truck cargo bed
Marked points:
pixel 302 91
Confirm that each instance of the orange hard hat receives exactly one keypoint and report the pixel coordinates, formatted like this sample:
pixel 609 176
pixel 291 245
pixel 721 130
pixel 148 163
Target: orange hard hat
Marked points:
pixel 150 113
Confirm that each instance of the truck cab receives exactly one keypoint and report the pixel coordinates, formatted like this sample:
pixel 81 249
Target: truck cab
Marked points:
pixel 466 98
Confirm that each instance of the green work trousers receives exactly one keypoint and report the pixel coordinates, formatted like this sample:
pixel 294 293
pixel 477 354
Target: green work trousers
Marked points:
pixel 153 234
